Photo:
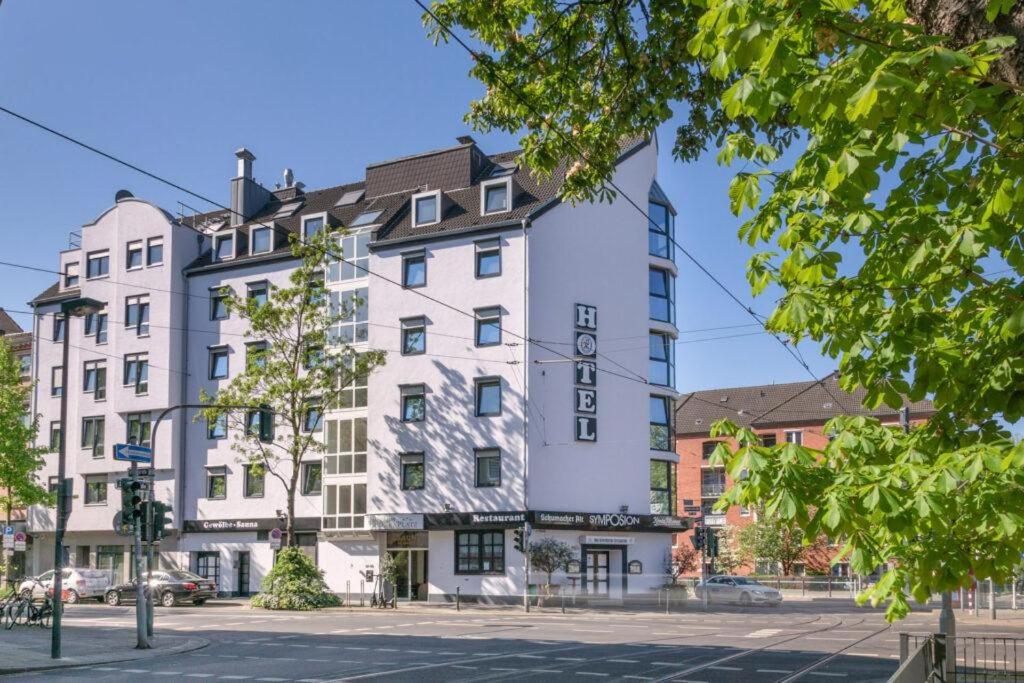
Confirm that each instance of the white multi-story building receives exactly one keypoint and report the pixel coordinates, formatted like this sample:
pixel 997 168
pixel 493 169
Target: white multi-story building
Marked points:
pixel 518 388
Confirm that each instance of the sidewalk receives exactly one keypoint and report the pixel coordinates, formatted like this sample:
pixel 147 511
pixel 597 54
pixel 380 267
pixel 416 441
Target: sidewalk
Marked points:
pixel 27 648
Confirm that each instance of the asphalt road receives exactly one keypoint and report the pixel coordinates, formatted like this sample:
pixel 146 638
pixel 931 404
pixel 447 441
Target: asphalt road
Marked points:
pixel 805 642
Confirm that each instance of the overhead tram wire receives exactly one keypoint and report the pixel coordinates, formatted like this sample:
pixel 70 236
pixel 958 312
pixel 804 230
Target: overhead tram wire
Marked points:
pixel 529 105
pixel 294 236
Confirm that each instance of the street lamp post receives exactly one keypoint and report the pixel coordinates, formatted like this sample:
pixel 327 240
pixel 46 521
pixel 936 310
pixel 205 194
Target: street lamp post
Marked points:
pixel 68 309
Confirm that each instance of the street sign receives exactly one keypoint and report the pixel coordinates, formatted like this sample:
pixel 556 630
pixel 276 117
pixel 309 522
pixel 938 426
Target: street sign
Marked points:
pixel 8 542
pixel 19 541
pixel 132 453
pixel 120 528
pixel 144 472
pixel 275 539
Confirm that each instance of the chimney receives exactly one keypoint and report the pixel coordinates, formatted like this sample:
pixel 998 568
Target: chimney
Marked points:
pixel 247 196
pixel 289 177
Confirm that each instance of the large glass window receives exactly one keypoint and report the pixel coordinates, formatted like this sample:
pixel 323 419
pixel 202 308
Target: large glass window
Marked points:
pixel 488 467
pixel 663 487
pixel 661 432
pixel 661 366
pixel 355 258
pixel 661 291
pixel 92 435
pixel 345 446
pixel 353 392
pixel 351 311
pixel 488 396
pixel 344 506
pixel 138 428
pixel 413 471
pixel 659 230
pixel 480 552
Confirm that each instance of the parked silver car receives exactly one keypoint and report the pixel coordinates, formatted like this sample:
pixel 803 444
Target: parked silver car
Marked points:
pixel 76 583
pixel 738 589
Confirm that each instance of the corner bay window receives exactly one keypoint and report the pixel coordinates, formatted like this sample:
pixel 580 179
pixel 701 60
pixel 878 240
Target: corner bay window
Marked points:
pixel 413 474
pixel 661 290
pixel 344 506
pixel 480 552
pixel 663 487
pixel 345 446
pixel 661 360
pixel 355 258
pixel 659 230
pixel 350 312
pixel 661 432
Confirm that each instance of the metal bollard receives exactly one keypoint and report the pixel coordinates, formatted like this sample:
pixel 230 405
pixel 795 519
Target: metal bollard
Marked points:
pixel 458 598
pixel 562 595
pixel 348 594
pixel 1013 594
pixel 668 597
pixel 991 599
pixel 362 591
pixel 904 647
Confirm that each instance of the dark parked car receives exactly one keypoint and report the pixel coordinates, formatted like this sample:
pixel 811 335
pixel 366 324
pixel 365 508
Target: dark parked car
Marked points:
pixel 169 588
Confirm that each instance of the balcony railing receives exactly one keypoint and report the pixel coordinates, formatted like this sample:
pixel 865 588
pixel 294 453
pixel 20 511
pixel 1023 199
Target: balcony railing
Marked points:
pixel 712 490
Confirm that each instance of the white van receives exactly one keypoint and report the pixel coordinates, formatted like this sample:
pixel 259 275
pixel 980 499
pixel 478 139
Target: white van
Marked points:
pixel 77 583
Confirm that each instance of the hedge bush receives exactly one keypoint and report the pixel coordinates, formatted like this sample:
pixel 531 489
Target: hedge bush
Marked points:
pixel 294 583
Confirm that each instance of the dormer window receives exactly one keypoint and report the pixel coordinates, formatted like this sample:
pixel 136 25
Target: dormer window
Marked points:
pixel 223 247
pixel 71 274
pixel 311 226
pixel 496 196
pixel 260 240
pixel 426 208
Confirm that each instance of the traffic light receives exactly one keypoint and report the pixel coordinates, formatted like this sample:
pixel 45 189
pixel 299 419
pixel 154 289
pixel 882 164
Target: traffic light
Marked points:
pixel 131 499
pixel 161 520
pixel 698 537
pixel 519 540
pixel 712 542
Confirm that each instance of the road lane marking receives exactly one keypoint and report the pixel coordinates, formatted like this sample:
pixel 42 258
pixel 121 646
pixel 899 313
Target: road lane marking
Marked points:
pixel 726 668
pixel 624 661
pixel 774 671
pixel 591 673
pixel 827 673
pixel 571 659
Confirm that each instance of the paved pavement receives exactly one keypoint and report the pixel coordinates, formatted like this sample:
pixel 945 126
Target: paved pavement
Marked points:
pixel 805 642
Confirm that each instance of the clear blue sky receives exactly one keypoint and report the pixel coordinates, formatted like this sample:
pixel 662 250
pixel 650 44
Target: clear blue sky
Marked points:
pixel 324 87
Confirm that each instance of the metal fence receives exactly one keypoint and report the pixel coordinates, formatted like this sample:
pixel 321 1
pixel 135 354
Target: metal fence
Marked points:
pixel 964 659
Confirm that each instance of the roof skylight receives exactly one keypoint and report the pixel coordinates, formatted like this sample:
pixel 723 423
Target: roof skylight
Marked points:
pixel 287 210
pixel 350 197
pixel 365 218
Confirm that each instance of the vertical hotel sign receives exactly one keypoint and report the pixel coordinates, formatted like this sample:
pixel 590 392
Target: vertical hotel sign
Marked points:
pixel 585 391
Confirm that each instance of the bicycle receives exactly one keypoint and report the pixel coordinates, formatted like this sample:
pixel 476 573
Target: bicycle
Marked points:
pixel 7 603
pixel 25 612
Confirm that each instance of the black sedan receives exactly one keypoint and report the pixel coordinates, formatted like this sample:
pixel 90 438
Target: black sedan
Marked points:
pixel 169 588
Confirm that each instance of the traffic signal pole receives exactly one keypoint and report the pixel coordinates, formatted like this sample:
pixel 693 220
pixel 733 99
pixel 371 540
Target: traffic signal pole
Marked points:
pixel 140 575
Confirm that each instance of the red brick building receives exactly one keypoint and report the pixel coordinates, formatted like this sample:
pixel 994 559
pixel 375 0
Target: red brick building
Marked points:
pixel 794 412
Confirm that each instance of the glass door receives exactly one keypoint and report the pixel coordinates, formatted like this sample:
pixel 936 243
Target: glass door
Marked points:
pixel 243 572
pixel 597 572
pixel 401 558
pixel 418 574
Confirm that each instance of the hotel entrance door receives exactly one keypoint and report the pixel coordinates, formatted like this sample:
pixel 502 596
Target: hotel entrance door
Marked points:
pixel 597 572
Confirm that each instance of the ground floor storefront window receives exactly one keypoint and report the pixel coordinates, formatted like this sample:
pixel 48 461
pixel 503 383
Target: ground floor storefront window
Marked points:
pixel 480 552
pixel 111 558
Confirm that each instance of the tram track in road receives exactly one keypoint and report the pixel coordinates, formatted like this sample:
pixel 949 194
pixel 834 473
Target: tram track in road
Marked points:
pixel 830 656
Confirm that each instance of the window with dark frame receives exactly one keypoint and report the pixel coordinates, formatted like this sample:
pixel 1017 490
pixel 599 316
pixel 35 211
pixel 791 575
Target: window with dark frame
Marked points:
pixel 488 396
pixel 219 304
pixel 94 379
pixel 89 324
pixel 136 314
pixel 661 286
pixel 261 241
pixel 795 437
pixel 659 230
pixel 312 478
pixel 414 269
pixel 154 251
pixel 219 362
pixel 663 487
pixel 96 490
pixel 71 274
pixel 56 434
pixel 256 354
pixel 101 328
pixel 260 424
pixel 414 336
pixel 311 226
pixel 661 360
pixel 414 403
pixel 312 357
pixel 223 247
pixel 425 210
pixel 488 467
pixel 136 372
pixel 217 483
pixel 496 197
pixel 133 260
pixel 413 471
pixel 488 258
pixel 59 326
pixel 254 482
pixel 92 435
pixel 139 428
pixel 707 448
pixel 661 428
pixel 97 264
pixel 480 552
pixel 488 326
pixel 258 292
pixel 767 439
pixel 56 380
pixel 312 418
pixel 217 428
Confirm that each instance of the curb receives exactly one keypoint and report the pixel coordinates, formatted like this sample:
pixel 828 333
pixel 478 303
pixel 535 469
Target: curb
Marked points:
pixel 134 655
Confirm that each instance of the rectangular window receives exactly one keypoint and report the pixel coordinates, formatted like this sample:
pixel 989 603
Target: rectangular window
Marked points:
pixel 260 424
pixel 712 483
pixel 312 419
pixel 345 446
pixel 92 435
pixel 661 431
pixel 139 427
pixel 55 436
pixel 661 360
pixel 71 274
pixel 659 230
pixel 488 326
pixel 255 480
pixel 256 354
pixel 133 260
pixel 414 403
pixel 258 292
pixel 707 448
pixel 661 288
pixel 796 437
pixel 97 264
pixel 217 483
pixel 219 362
pixel 414 269
pixel 101 328
pixel 663 487
pixel 96 490
pixel 353 390
pixel 312 357
pixel 219 304
pixel 136 314
pixel 496 197
pixel 25 365
pixel 414 336
pixel 350 312
pixel 94 379
pixel 767 439
pixel 344 506
pixel 260 241
pixel 488 397
pixel 480 552
pixel 488 467
pixel 154 251
pixel 312 478
pixel 89 324
pixel 56 381
pixel 217 428
pixel 223 247
pixel 425 209
pixel 355 258
pixel 311 226
pixel 413 471
pixel 488 258
pixel 136 372
pixel 59 325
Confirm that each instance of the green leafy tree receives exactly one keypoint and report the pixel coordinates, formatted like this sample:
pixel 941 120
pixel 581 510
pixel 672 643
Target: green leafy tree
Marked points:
pixel 880 147
pixel 549 555
pixel 775 541
pixel 294 583
pixel 730 556
pixel 19 460
pixel 298 372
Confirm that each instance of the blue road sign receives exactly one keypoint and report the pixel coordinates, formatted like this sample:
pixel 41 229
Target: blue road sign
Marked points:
pixel 132 453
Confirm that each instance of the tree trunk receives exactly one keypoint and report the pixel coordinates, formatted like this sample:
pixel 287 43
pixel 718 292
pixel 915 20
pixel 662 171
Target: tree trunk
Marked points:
pixel 8 560
pixel 964 22
pixel 290 526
